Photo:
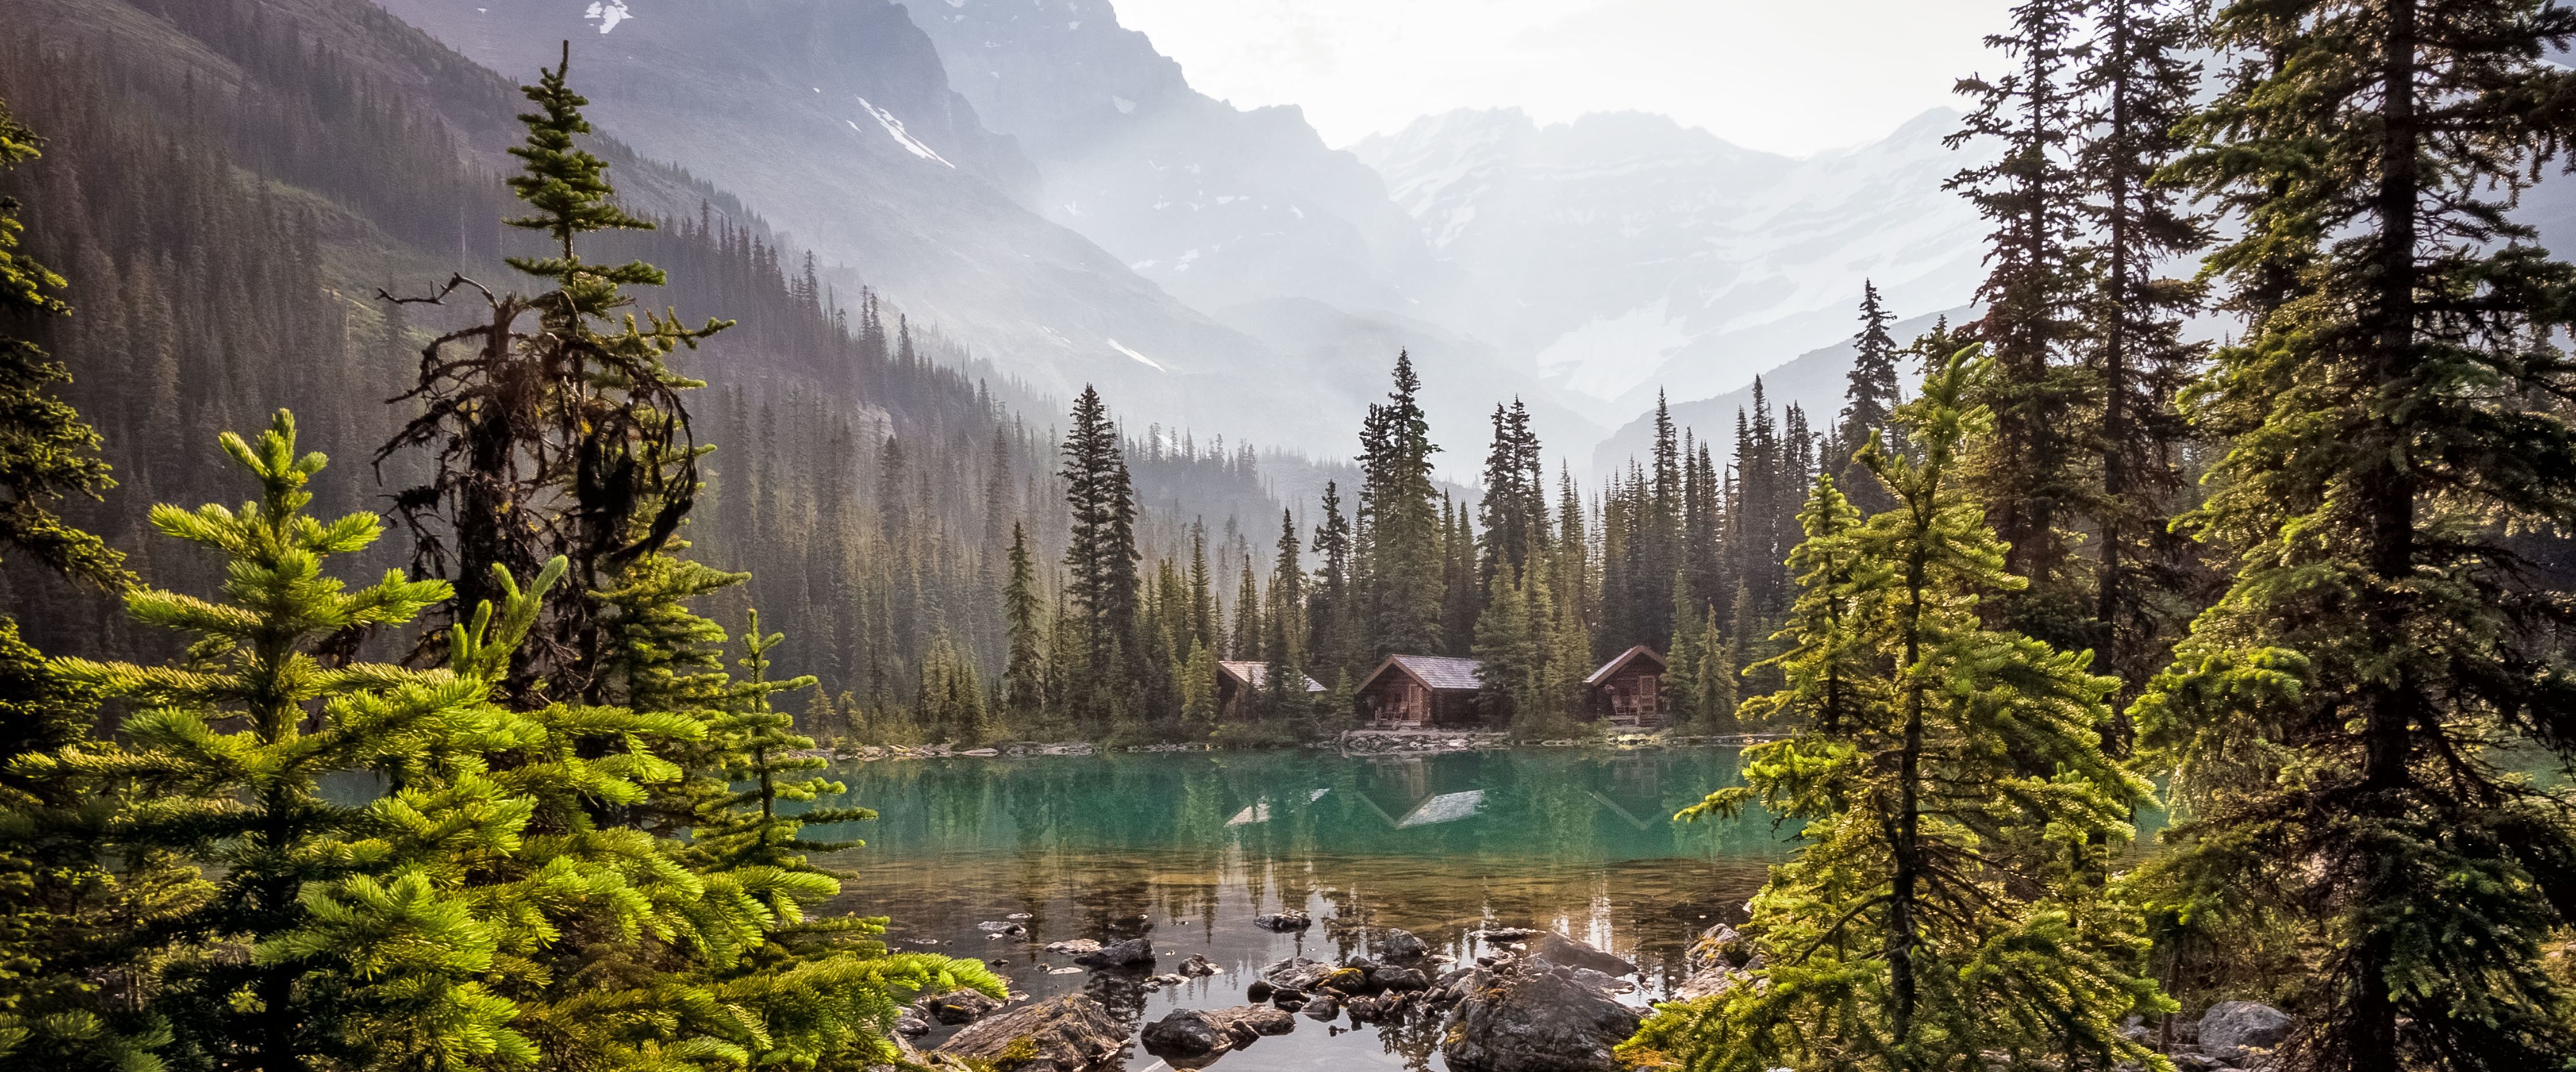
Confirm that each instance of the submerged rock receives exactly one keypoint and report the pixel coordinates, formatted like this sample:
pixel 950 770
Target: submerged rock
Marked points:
pixel 1400 945
pixel 1071 1033
pixel 1558 949
pixel 1197 967
pixel 1002 927
pixel 1074 948
pixel 1534 1016
pixel 1288 919
pixel 1183 1034
pixel 1132 953
pixel 961 1007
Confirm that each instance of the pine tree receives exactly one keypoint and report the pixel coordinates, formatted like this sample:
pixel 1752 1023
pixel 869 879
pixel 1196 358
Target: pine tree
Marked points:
pixel 2030 475
pixel 1401 523
pixel 47 452
pixel 1926 921
pixel 1245 642
pixel 1024 694
pixel 1283 645
pixel 1868 402
pixel 1328 609
pixel 2397 423
pixel 566 440
pixel 1101 570
pixel 2139 85
pixel 1198 691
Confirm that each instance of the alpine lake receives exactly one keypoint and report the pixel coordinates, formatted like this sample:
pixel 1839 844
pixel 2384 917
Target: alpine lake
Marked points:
pixel 1190 848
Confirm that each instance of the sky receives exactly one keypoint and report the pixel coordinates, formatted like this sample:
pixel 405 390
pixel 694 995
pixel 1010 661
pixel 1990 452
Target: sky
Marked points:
pixel 1787 76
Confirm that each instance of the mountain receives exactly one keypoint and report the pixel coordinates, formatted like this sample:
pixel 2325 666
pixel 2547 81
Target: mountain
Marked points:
pixel 835 120
pixel 1620 254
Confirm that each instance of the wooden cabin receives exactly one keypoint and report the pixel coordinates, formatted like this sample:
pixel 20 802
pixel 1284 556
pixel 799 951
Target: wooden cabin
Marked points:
pixel 1239 686
pixel 1416 691
pixel 1629 689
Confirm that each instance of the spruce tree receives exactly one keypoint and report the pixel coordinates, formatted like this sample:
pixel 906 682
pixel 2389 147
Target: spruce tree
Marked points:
pixel 1101 579
pixel 1023 699
pixel 1926 921
pixel 1328 609
pixel 2138 83
pixel 563 440
pixel 1868 402
pixel 47 452
pixel 2030 477
pixel 1401 523
pixel 2398 443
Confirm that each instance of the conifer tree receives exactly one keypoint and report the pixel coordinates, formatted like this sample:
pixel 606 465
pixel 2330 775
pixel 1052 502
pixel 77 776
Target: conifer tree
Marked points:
pixel 2139 84
pixel 1245 642
pixel 1198 691
pixel 1101 559
pixel 566 440
pixel 1283 645
pixel 1868 401
pixel 1024 695
pixel 1925 922
pixel 47 452
pixel 1401 524
pixel 2029 476
pixel 2396 418
pixel 1328 608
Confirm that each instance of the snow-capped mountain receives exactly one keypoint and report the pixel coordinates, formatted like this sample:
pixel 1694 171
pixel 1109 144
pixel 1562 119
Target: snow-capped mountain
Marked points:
pixel 1621 254
pixel 835 120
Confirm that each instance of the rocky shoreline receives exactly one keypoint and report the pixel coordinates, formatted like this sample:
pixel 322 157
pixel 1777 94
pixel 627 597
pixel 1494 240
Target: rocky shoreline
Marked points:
pixel 1540 1001
pixel 1348 743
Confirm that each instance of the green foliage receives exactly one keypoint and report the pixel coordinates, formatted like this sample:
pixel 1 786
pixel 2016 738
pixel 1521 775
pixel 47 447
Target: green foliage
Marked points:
pixel 1954 793
pixel 47 452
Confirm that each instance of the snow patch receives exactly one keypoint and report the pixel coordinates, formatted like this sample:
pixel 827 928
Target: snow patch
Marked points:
pixel 894 126
pixel 1608 356
pixel 608 12
pixel 1149 362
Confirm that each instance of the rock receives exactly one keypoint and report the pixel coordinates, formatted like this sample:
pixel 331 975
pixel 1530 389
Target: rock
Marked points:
pixel 1161 981
pixel 1197 967
pixel 961 1007
pixel 1400 945
pixel 1344 980
pixel 1071 1033
pixel 1718 945
pixel 1506 934
pixel 1184 1033
pixel 1400 979
pixel 1534 1017
pixel 1259 990
pixel 981 752
pixel 1323 1008
pixel 1362 1010
pixel 1297 973
pixel 1288 1000
pixel 1132 953
pixel 1558 949
pixel 1285 920
pixel 1258 1020
pixel 910 1026
pixel 1074 948
pixel 2231 1029
pixel 1022 917
pixel 1708 982
pixel 1002 927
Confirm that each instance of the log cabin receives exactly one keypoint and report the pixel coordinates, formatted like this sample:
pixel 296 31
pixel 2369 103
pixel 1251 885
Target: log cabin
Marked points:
pixel 1418 691
pixel 1629 689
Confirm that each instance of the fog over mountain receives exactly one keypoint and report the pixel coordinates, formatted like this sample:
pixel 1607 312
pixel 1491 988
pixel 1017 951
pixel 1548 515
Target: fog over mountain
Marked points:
pixel 1041 183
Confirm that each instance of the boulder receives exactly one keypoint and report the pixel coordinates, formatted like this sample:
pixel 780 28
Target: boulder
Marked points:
pixel 1296 973
pixel 1183 1034
pixel 1324 1008
pixel 1260 990
pixel 1002 927
pixel 1074 947
pixel 1533 1016
pixel 1072 1033
pixel 1132 953
pixel 1399 945
pixel 1257 1019
pixel 910 1026
pixel 1388 978
pixel 1720 945
pixel 1560 950
pixel 961 1007
pixel 1506 934
pixel 2231 1029
pixel 1284 920
pixel 1197 967
pixel 1708 982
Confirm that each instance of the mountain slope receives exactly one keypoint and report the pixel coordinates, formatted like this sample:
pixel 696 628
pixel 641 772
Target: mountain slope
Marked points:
pixel 1622 254
pixel 834 120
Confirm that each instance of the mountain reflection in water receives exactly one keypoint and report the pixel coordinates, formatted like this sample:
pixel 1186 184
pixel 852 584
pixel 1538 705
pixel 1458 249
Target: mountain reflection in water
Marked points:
pixel 1188 848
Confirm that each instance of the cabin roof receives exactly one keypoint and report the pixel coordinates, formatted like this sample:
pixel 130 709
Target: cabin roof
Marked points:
pixel 1623 659
pixel 1442 673
pixel 1254 675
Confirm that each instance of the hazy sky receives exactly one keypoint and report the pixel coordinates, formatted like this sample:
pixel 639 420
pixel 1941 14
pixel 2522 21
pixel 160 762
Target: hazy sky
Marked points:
pixel 1790 76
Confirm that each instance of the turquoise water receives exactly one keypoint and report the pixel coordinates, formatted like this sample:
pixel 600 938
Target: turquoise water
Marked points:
pixel 1188 848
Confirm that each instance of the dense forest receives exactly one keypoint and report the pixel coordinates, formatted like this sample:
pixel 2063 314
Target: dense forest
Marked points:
pixel 2306 584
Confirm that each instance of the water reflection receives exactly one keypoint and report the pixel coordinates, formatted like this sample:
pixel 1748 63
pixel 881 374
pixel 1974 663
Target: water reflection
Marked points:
pixel 1188 848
